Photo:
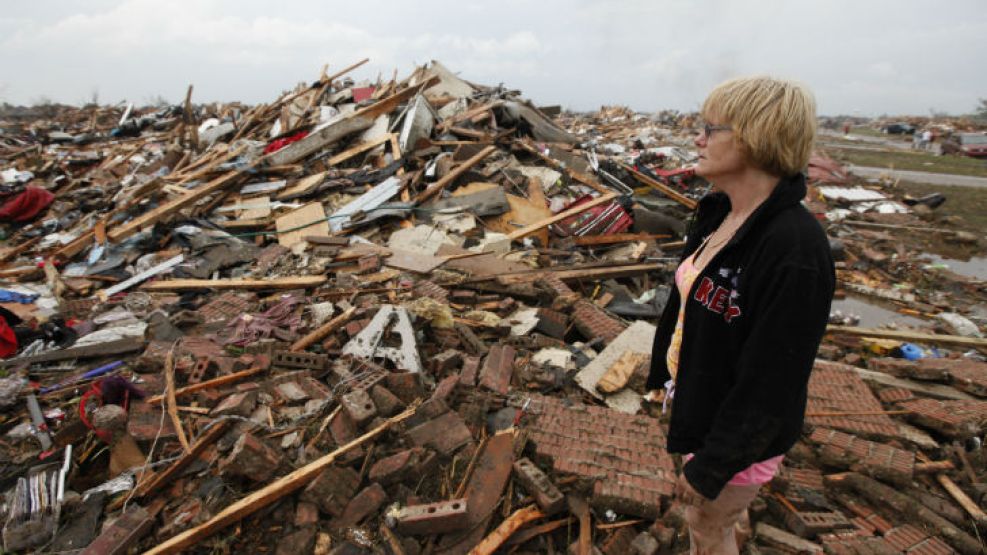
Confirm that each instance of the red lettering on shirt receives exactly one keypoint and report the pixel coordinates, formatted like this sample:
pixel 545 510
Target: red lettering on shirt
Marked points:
pixel 704 291
pixel 732 312
pixel 717 301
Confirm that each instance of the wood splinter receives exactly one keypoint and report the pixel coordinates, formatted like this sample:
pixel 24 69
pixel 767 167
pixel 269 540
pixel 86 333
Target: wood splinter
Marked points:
pixel 270 493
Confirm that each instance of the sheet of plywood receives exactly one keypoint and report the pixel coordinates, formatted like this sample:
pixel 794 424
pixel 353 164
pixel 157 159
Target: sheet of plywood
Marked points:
pixel 312 216
pixel 487 264
pixel 523 213
pixel 413 261
pixel 264 208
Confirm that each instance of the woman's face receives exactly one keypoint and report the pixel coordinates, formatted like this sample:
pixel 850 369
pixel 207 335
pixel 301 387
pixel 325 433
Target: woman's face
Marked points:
pixel 720 154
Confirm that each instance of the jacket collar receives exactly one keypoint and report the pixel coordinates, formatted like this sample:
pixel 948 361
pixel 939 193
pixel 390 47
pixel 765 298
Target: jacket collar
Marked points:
pixel 715 206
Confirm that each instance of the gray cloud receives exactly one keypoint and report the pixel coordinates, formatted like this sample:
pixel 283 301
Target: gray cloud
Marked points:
pixel 859 57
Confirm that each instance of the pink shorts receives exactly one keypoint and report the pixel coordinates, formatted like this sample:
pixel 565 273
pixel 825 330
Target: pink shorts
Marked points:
pixel 758 474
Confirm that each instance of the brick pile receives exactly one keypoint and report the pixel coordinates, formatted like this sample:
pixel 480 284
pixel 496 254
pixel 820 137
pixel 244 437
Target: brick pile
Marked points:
pixel 621 457
pixel 835 387
pixel 956 419
pixel 879 460
pixel 593 322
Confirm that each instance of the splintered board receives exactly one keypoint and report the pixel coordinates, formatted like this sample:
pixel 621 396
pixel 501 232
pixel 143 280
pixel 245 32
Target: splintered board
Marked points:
pixel 303 185
pixel 312 216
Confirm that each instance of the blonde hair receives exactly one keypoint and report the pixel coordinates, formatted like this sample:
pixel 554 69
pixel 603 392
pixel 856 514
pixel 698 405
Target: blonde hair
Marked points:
pixel 773 119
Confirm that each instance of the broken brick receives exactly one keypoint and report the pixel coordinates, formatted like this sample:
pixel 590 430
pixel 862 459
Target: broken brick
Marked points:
pixel 359 406
pixel 552 323
pixel 306 514
pixel 445 433
pixel 593 322
pixel 236 404
pixel 365 503
pixel 874 459
pixel 498 368
pixel 471 370
pixel 299 541
pixel 405 385
pixel 960 419
pixel 401 466
pixel 332 489
pixel 445 362
pixel 291 359
pixel 547 496
pixel 386 402
pixel 619 543
pixel 251 458
pixel 433 518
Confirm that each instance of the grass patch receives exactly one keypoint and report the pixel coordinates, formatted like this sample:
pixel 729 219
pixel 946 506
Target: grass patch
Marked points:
pixel 868 131
pixel 967 204
pixel 915 161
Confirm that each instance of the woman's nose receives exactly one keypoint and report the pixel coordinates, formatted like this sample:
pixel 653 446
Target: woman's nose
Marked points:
pixel 700 139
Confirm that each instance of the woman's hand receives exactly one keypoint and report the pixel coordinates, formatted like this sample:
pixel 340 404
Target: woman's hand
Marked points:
pixel 686 494
pixel 655 396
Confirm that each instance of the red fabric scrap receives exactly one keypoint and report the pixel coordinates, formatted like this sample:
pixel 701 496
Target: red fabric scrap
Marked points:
pixel 8 341
pixel 284 141
pixel 362 93
pixel 26 205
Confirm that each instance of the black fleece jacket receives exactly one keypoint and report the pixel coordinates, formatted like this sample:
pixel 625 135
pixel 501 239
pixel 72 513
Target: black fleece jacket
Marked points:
pixel 753 322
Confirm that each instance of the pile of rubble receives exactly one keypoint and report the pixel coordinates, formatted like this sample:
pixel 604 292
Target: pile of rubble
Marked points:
pixel 416 317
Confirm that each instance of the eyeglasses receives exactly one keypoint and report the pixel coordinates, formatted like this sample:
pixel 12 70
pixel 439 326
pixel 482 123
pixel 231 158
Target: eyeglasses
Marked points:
pixel 709 129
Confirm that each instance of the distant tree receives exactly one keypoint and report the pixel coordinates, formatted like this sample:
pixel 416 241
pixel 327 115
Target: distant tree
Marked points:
pixel 982 109
pixel 156 100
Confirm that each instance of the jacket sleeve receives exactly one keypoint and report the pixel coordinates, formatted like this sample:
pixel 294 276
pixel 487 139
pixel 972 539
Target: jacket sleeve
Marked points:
pixel 771 375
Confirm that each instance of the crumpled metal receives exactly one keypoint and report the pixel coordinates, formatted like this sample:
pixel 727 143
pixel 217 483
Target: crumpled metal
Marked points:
pixel 250 328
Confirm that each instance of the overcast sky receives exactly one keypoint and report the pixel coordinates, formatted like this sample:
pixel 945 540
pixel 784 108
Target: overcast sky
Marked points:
pixel 867 57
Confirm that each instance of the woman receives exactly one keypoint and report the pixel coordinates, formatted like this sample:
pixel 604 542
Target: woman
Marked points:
pixel 739 334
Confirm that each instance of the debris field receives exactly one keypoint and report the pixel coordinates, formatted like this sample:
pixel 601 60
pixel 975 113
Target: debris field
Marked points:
pixel 415 316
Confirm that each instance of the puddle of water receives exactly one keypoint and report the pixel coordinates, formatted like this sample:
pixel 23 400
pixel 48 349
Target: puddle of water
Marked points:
pixel 872 315
pixel 975 267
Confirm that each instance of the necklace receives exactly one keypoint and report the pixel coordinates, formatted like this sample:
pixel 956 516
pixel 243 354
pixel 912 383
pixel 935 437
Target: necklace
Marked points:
pixel 709 246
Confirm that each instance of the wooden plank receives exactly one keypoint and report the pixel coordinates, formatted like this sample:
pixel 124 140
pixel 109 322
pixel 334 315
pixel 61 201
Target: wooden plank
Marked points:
pixel 664 189
pixel 234 225
pixel 324 330
pixel 448 178
pixel 318 140
pixel 450 121
pixel 576 274
pixel 511 524
pixel 149 218
pixel 357 121
pixel 215 382
pixel 302 185
pixel 296 282
pixel 596 240
pixel 154 483
pixel 262 211
pixel 345 70
pixel 587 180
pixel 358 149
pixel 912 336
pixel 171 403
pixel 270 493
pixel 514 235
pixel 307 220
pixel 14 252
pixel 417 262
